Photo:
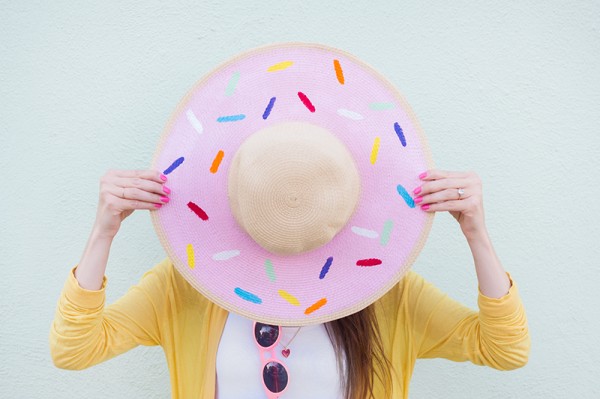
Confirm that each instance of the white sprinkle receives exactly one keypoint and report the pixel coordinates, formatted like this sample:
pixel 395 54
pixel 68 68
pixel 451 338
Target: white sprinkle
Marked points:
pixel 350 114
pixel 191 117
pixel 226 255
pixel 364 232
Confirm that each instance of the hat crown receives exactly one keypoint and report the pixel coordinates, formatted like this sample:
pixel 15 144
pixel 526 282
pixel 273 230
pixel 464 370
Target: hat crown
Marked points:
pixel 292 187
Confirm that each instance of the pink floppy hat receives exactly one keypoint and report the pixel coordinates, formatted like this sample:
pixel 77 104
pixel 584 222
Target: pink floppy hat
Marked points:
pixel 291 166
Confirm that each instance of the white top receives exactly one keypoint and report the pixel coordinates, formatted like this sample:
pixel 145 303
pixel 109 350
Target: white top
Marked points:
pixel 312 364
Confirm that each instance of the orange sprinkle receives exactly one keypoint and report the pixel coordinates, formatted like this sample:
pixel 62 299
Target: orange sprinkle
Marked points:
pixel 217 161
pixel 338 71
pixel 315 306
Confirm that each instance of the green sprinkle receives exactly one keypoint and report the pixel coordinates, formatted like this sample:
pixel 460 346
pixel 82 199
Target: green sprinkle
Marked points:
pixel 387 230
pixel 270 270
pixel 381 106
pixel 235 77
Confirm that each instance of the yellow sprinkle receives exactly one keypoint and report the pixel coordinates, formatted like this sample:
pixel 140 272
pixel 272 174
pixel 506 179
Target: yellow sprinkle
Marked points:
pixel 191 257
pixel 375 150
pixel 280 66
pixel 289 297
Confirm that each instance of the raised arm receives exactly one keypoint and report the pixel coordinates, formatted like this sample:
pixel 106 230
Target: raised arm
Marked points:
pixel 84 332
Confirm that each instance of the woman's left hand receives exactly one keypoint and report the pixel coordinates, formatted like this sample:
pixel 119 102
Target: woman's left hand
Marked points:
pixel 440 192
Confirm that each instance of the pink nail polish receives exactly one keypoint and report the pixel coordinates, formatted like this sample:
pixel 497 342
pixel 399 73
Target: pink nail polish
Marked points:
pixel 417 190
pixel 164 199
pixel 418 199
pixel 423 175
pixel 163 177
pixel 157 205
pixel 166 189
pixel 425 207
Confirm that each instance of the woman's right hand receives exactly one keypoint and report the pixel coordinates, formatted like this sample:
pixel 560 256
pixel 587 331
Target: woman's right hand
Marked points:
pixel 123 191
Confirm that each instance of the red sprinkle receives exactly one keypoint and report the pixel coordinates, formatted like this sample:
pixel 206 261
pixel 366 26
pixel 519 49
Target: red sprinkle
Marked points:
pixel 306 101
pixel 197 210
pixel 368 262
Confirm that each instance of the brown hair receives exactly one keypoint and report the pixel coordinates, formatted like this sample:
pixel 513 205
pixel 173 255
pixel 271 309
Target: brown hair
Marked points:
pixel 357 339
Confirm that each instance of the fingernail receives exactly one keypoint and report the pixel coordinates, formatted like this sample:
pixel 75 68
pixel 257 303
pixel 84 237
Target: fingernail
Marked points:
pixel 163 177
pixel 164 199
pixel 425 207
pixel 157 205
pixel 166 189
pixel 417 190
pixel 418 199
pixel 423 175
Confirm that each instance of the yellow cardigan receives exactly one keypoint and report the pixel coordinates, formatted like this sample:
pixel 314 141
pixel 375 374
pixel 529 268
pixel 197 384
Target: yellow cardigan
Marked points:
pixel 416 320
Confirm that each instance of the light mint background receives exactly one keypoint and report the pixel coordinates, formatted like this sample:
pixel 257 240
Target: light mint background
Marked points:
pixel 508 89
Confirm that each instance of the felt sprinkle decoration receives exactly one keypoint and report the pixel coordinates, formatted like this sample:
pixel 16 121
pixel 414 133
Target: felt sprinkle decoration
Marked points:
pixel 191 117
pixel 225 255
pixel 406 196
pixel 270 270
pixel 289 297
pixel 381 106
pixel 375 150
pixel 326 267
pixel 364 232
pixel 191 258
pixel 231 118
pixel 198 211
pixel 350 114
pixel 233 81
pixel 315 306
pixel 216 162
pixel 386 232
pixel 269 108
pixel 338 71
pixel 306 101
pixel 173 166
pixel 280 66
pixel 368 262
pixel 400 134
pixel 247 296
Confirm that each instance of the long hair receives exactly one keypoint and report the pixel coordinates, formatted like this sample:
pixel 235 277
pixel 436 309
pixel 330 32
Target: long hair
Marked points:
pixel 357 339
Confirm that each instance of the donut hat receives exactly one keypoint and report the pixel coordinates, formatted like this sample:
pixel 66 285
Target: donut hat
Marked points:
pixel 290 167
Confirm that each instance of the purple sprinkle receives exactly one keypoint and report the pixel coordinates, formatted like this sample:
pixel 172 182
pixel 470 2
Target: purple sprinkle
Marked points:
pixel 325 268
pixel 269 108
pixel 400 134
pixel 173 166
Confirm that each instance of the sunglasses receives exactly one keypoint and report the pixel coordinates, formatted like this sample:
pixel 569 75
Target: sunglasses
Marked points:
pixel 274 373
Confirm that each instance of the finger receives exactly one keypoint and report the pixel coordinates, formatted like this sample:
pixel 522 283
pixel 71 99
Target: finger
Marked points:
pixel 440 185
pixel 457 206
pixel 150 186
pixel 435 174
pixel 129 204
pixel 136 194
pixel 449 194
pixel 149 174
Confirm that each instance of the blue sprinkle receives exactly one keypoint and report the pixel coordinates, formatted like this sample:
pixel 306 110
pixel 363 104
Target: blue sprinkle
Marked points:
pixel 407 198
pixel 173 166
pixel 245 295
pixel 231 118
pixel 325 268
pixel 400 134
pixel 269 108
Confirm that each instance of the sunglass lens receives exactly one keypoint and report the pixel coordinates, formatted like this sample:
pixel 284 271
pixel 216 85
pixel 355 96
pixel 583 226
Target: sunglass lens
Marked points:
pixel 266 335
pixel 275 377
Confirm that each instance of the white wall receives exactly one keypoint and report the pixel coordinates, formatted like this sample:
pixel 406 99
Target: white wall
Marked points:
pixel 508 89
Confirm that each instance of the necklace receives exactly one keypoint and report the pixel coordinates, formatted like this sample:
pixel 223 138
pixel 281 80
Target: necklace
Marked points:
pixel 286 351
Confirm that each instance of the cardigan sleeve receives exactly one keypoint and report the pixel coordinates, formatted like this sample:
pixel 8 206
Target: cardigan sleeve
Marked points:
pixel 496 336
pixel 86 332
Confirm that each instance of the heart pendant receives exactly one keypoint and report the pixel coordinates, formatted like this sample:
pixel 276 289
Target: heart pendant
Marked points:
pixel 285 353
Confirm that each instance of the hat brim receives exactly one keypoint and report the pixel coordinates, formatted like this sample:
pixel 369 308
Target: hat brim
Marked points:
pixel 273 84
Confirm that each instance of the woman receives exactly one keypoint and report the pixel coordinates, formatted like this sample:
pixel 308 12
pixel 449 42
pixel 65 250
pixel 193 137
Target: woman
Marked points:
pixel 375 349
